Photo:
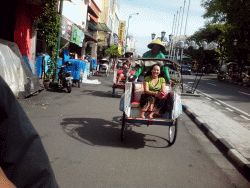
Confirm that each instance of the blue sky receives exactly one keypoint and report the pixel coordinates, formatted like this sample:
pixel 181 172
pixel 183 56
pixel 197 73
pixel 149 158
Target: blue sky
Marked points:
pixel 157 15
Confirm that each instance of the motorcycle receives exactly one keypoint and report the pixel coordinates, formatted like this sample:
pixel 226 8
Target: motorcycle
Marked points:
pixel 222 75
pixel 65 78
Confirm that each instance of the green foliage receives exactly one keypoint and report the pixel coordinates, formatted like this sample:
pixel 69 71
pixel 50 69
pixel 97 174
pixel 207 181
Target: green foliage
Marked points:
pixel 49 25
pixel 112 51
pixel 235 15
pixel 211 32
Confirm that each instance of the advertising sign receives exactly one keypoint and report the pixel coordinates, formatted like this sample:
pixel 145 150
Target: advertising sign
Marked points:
pixel 121 33
pixel 66 28
pixel 77 36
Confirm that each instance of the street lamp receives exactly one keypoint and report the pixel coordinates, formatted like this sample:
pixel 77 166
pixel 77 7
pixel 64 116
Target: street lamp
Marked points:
pixel 153 36
pixel 235 42
pixel 129 17
pixel 163 33
pixel 181 46
pixel 204 45
pixel 162 38
pixel 170 37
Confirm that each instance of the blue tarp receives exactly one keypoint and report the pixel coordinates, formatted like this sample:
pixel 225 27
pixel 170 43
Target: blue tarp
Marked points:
pixel 39 64
pixel 76 67
pixel 93 63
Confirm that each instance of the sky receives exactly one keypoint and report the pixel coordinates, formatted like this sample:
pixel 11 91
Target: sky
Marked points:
pixel 158 15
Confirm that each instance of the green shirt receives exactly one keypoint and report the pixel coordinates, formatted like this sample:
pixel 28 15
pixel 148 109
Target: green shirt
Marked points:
pixel 154 87
pixel 160 55
pixel 165 70
pixel 148 54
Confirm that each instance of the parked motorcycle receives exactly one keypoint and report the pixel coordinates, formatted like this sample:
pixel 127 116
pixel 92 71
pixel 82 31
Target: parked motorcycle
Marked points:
pixel 222 75
pixel 65 78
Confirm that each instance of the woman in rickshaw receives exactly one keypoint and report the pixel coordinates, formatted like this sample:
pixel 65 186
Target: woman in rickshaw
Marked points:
pixel 154 91
pixel 156 48
pixel 121 74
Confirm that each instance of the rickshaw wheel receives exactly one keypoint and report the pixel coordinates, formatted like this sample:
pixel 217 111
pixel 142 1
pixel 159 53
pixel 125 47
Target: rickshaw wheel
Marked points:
pixel 172 132
pixel 123 129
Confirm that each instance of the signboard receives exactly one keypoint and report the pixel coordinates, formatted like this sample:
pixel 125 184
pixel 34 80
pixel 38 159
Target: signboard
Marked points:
pixel 77 36
pixel 121 33
pixel 116 39
pixel 66 28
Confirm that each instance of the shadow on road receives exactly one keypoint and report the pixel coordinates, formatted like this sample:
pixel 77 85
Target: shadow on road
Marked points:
pixel 94 131
pixel 100 132
pixel 100 93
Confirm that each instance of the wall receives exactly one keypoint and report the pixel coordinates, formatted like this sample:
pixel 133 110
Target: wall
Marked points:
pixel 23 30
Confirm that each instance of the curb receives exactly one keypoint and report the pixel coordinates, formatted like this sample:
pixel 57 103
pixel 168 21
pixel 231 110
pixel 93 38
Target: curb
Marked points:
pixel 239 161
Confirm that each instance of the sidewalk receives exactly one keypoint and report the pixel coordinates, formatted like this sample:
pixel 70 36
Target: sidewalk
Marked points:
pixel 230 136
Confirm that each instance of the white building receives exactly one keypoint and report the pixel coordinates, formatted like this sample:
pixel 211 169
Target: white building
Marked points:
pixel 76 11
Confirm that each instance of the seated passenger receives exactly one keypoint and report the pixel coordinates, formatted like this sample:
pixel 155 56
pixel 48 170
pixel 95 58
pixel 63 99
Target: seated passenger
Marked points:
pixel 154 91
pixel 121 74
pixel 156 47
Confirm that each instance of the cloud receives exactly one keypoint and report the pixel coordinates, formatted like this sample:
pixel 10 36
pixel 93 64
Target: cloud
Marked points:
pixel 158 16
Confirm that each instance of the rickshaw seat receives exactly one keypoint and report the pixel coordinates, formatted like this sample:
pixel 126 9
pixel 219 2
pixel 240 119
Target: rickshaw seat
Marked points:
pixel 135 104
pixel 137 91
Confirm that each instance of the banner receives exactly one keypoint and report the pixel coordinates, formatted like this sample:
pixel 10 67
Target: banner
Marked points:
pixel 121 33
pixel 66 28
pixel 77 36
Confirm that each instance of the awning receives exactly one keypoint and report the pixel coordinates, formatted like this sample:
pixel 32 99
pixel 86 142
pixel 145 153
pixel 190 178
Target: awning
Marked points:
pixel 92 26
pixel 98 27
pixel 89 37
pixel 103 27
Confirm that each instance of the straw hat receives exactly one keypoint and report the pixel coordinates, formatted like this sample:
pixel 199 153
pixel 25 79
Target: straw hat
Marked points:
pixel 156 42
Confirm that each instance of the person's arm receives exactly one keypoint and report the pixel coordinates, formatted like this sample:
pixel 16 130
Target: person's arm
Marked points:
pixel 138 72
pixel 4 181
pixel 163 87
pixel 166 73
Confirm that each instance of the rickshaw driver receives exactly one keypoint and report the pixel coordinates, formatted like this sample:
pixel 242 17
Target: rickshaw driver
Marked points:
pixel 156 47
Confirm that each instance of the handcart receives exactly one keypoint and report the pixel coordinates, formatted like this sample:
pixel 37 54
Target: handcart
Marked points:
pixel 118 69
pixel 76 67
pixel 130 105
pixel 103 67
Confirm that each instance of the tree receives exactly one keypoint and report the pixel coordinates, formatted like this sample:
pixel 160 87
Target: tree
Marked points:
pixel 112 51
pixel 48 24
pixel 211 32
pixel 236 15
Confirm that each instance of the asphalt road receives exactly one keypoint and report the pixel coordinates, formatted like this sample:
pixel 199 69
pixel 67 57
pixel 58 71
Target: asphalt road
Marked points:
pixel 80 132
pixel 234 95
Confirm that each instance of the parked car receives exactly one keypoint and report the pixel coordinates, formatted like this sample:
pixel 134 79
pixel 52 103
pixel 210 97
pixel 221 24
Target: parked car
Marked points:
pixel 186 69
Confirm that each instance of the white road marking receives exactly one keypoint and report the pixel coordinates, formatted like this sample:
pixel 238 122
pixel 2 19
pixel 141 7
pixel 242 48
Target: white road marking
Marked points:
pixel 190 82
pixel 208 98
pixel 212 84
pixel 244 117
pixel 244 93
pixel 229 109
pixel 217 103
pixel 225 104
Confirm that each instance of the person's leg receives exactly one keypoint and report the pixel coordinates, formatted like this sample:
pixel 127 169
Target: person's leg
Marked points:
pixel 151 108
pixel 144 104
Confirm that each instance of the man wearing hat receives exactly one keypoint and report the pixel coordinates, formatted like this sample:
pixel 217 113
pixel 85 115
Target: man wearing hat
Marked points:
pixel 156 47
